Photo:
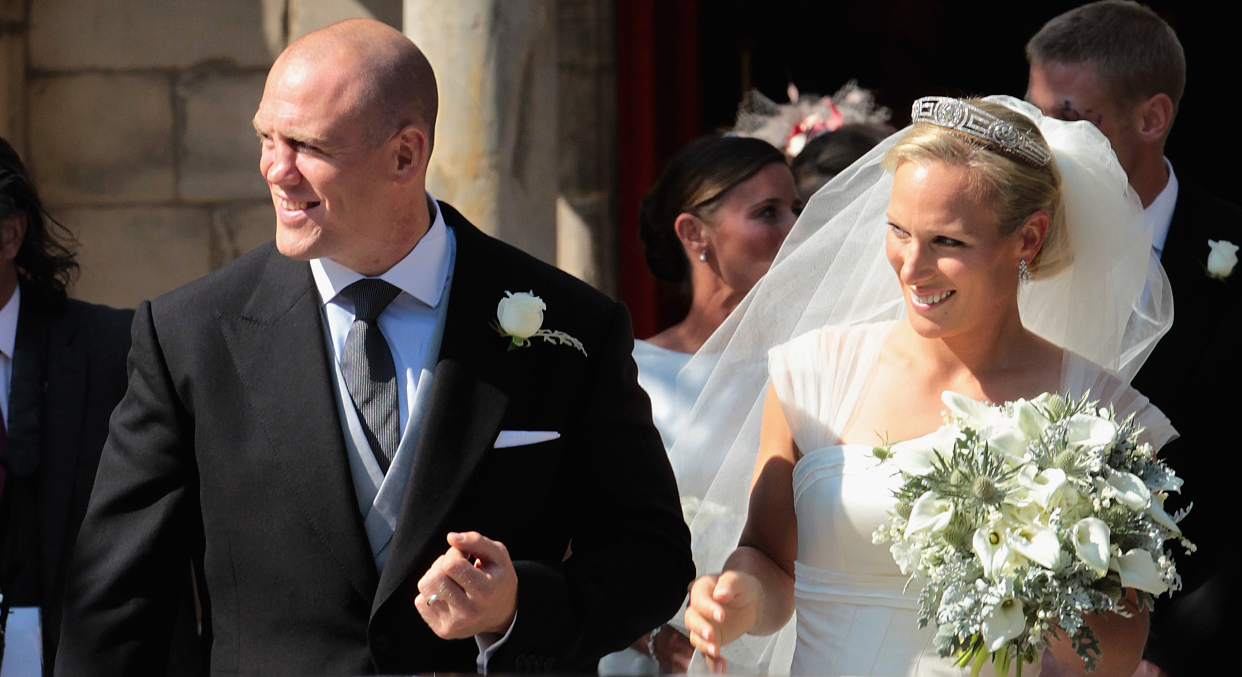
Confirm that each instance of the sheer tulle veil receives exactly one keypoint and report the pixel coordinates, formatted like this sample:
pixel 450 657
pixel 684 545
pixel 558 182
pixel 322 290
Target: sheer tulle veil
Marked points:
pixel 1110 306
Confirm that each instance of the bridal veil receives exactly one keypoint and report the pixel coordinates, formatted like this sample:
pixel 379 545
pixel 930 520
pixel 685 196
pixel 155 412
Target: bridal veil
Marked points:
pixel 1109 306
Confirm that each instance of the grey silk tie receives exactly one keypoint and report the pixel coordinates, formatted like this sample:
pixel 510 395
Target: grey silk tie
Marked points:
pixel 369 371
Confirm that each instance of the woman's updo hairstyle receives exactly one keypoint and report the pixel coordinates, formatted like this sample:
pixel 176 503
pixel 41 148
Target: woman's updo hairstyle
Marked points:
pixel 1015 187
pixel 695 182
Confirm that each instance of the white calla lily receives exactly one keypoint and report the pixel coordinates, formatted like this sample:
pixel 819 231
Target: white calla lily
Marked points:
pixel 1003 622
pixel 1091 538
pixel 1009 439
pixel 1157 512
pixel 1129 490
pixel 916 457
pixel 1007 435
pixel 992 546
pixel 1030 419
pixel 1085 430
pixel 1038 544
pixel 930 513
pixel 972 410
pixel 1138 570
pixel 1043 485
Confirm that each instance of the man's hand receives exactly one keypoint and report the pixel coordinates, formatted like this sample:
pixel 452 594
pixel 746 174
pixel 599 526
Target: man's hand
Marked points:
pixel 469 590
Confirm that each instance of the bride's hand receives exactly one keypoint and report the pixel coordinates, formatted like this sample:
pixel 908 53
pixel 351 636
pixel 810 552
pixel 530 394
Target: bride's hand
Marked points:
pixel 722 608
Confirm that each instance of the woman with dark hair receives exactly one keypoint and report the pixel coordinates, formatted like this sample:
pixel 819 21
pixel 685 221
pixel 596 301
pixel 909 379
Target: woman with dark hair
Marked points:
pixel 62 372
pixel 830 153
pixel 712 224
pixel 42 255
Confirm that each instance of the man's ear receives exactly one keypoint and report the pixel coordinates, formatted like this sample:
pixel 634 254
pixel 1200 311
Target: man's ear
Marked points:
pixel 413 149
pixel 1155 117
pixel 12 232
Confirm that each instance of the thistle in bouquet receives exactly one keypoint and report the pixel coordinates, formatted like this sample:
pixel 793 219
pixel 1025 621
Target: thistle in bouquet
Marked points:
pixel 1021 519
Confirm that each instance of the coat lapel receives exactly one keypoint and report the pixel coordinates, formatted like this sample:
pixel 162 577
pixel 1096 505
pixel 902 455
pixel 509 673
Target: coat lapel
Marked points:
pixel 279 347
pixel 464 413
pixel 28 384
pixel 67 384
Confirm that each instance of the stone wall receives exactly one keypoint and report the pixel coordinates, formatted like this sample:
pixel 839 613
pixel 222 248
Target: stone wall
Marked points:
pixel 587 243
pixel 134 117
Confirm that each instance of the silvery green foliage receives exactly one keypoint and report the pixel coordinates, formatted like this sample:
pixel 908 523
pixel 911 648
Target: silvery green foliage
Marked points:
pixel 1080 465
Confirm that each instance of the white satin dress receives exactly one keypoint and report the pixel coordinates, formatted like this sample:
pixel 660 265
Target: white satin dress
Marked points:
pixel 855 616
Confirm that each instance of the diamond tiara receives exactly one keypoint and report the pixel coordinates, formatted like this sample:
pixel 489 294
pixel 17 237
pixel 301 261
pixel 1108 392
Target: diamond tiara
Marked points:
pixel 971 120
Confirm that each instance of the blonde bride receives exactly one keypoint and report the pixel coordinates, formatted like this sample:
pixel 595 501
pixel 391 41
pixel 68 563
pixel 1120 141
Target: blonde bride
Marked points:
pixel 985 250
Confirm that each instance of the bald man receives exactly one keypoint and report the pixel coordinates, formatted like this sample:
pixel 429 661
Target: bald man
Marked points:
pixel 373 462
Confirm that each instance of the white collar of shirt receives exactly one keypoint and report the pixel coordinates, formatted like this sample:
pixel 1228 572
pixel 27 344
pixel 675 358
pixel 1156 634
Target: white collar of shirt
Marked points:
pixel 1159 214
pixel 421 274
pixel 8 323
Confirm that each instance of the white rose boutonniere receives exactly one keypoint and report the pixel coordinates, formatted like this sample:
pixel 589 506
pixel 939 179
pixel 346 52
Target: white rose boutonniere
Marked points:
pixel 1222 258
pixel 519 317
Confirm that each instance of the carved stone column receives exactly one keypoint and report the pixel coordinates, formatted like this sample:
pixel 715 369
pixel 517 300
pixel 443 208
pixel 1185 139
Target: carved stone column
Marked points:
pixel 495 156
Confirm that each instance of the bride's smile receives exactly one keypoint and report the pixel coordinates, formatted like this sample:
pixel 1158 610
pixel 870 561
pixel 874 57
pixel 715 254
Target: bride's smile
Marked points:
pixel 927 299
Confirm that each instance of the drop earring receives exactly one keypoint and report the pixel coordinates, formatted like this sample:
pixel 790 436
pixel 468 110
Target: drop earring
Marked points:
pixel 703 256
pixel 1024 273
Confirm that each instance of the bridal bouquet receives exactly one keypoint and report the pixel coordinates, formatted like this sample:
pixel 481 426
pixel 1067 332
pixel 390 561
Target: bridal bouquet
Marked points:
pixel 1022 518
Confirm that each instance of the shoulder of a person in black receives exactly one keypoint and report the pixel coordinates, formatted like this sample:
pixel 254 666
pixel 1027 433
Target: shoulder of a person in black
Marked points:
pixel 1219 218
pixel 103 324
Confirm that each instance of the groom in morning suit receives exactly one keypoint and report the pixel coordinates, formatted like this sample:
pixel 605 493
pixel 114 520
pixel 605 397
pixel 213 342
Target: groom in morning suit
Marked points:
pixel 367 477
pixel 1119 65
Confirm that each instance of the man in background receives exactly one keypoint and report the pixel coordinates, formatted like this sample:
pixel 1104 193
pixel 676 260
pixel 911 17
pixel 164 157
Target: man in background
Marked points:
pixel 62 372
pixel 1118 65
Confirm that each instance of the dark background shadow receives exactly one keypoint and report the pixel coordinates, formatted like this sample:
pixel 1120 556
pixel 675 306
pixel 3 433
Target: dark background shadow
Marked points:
pixel 904 49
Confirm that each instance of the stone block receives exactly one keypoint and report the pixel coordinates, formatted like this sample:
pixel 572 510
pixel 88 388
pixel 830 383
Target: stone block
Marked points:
pixel 102 138
pixel 308 15
pixel 238 228
pixel 13 89
pixel 128 254
pixel 128 34
pixel 12 11
pixel 219 158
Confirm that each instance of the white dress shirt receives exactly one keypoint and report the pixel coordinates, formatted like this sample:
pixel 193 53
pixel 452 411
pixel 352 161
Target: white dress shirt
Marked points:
pixel 1159 214
pixel 409 321
pixel 8 340
pixel 408 324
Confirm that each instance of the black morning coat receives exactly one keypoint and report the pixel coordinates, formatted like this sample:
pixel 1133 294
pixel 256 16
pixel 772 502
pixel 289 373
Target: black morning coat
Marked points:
pixel 68 374
pixel 1195 377
pixel 228 448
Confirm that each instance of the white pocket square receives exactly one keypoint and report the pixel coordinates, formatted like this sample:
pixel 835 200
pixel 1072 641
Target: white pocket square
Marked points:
pixel 520 438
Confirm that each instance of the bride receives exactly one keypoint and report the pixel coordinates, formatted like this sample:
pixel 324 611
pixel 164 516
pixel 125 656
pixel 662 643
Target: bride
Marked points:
pixel 987 250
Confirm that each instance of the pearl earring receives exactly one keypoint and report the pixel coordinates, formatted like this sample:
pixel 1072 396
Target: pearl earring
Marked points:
pixel 703 256
pixel 1024 273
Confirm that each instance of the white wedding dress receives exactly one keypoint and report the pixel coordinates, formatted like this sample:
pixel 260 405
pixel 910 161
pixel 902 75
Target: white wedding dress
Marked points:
pixel 855 614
